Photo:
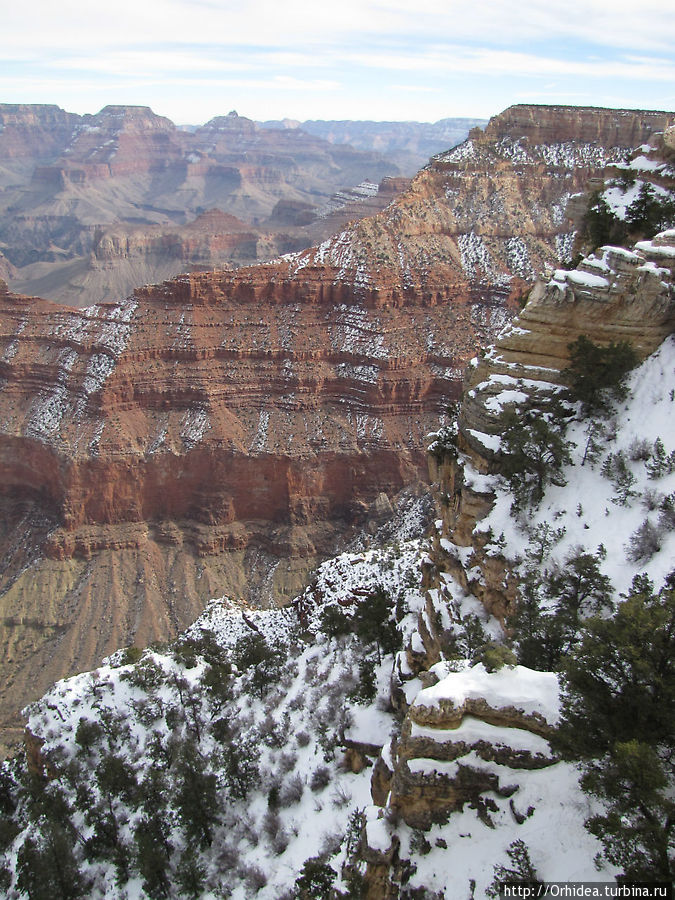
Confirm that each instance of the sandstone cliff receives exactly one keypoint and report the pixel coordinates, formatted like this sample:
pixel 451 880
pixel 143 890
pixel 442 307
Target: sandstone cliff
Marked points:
pixel 469 737
pixel 221 432
pixel 488 215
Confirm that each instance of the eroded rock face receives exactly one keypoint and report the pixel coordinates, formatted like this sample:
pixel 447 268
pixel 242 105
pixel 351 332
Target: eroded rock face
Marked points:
pixel 94 205
pixel 220 433
pixel 487 216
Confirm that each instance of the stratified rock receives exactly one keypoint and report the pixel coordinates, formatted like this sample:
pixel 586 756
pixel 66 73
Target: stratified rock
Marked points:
pixel 469 735
pixel 220 433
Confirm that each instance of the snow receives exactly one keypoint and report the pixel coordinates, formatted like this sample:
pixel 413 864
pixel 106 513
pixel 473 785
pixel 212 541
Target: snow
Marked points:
pixel 586 506
pixel 526 690
pixel 477 260
pixel 587 279
pixel 491 442
pixel 260 439
pixel 378 836
pixel 473 731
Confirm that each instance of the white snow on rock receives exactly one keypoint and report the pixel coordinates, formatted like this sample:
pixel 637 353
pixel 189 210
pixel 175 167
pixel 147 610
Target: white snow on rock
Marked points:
pixel 524 689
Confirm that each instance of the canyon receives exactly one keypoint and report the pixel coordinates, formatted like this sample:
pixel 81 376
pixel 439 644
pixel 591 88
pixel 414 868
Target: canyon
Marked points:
pixel 94 205
pixel 224 431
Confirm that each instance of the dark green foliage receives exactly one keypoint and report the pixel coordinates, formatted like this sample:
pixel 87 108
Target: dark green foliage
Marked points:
pixel 553 605
pixel 47 868
pixel 252 652
pixel 8 803
pixel 374 623
pixel 470 637
pixel 650 213
pixel 619 720
pixel 334 622
pixel 596 375
pixel 190 875
pixel 520 869
pixel 366 689
pixel 600 225
pixel 615 468
pixel 667 512
pixel 240 768
pixel 660 463
pixel 153 853
pixel 196 798
pixel 116 778
pixel 88 734
pixel 146 675
pixel 315 880
pixel 130 655
pixel 533 453
pixel 495 656
pixel 203 644
pixel 444 442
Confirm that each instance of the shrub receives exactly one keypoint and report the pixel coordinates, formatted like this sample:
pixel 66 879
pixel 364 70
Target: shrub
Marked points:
pixel 520 869
pixel 291 792
pixel 303 738
pixel 495 656
pixel 640 450
pixel 287 762
pixel 643 543
pixel 320 778
pixel 254 878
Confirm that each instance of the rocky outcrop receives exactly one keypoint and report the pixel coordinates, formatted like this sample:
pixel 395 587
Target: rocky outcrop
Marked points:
pixel 586 125
pixel 470 736
pixel 485 217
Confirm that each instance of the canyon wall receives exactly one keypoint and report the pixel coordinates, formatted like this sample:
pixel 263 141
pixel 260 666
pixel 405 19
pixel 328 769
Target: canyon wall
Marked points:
pixel 222 432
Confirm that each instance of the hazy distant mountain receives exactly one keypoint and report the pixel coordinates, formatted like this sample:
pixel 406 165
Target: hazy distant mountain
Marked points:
pixel 408 144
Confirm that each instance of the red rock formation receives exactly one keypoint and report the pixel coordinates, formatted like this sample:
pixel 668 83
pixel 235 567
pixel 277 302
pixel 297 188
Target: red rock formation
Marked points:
pixel 222 431
pixel 218 433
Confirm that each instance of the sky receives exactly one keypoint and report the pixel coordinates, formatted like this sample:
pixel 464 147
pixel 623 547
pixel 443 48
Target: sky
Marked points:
pixel 420 60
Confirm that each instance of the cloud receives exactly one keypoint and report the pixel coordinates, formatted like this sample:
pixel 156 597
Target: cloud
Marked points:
pixel 648 25
pixel 387 55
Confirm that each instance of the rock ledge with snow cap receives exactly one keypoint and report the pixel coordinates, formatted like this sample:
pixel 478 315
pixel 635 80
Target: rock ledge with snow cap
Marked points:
pixel 516 697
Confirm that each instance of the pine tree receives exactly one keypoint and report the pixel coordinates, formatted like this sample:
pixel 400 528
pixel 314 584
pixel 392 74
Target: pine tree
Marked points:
pixel 46 865
pixel 619 720
pixel 519 871
pixel 196 797
pixel 596 374
pixel 315 880
pixel 533 453
pixel 553 605
pixel 374 624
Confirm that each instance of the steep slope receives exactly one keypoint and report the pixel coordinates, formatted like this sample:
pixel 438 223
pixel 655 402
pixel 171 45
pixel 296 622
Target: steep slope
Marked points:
pixel 490 552
pixel 463 764
pixel 213 432
pixel 486 216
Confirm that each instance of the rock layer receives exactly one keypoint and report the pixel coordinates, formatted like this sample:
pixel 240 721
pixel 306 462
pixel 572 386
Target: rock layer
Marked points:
pixel 218 433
